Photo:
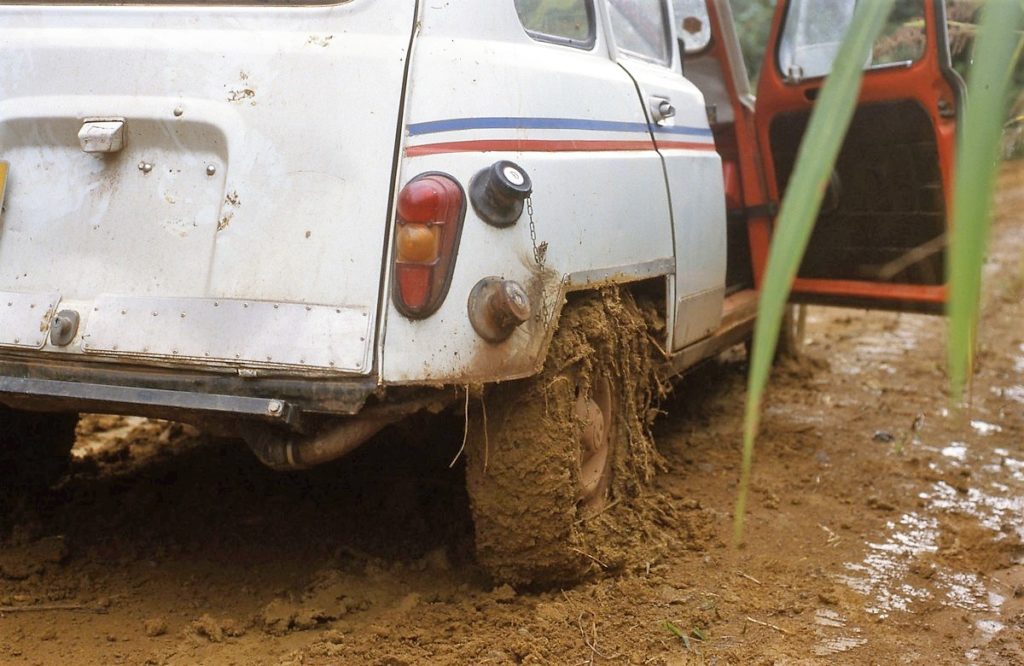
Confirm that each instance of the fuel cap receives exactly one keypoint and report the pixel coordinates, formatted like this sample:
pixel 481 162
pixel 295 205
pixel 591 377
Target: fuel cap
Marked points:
pixel 497 193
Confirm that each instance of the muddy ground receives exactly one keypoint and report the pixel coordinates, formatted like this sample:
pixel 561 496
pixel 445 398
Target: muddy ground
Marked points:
pixel 885 528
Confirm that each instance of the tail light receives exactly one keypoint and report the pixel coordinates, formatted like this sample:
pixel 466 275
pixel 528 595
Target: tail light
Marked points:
pixel 431 208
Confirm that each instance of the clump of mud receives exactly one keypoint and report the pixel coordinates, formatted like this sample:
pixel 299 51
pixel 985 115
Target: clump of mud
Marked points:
pixel 523 470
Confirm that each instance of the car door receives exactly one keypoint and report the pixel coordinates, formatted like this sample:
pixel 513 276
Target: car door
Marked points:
pixel 880 238
pixel 644 46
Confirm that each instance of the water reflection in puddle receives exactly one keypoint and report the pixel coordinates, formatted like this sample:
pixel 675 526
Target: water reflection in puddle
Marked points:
pixel 986 428
pixel 880 575
pixel 1015 393
pixel 834 642
pixel 994 501
pixel 956 451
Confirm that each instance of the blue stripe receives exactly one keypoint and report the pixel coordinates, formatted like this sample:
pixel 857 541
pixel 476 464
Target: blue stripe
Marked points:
pixel 690 131
pixel 456 124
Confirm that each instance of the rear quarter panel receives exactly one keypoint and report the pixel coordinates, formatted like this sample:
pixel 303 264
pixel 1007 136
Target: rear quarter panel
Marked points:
pixel 573 120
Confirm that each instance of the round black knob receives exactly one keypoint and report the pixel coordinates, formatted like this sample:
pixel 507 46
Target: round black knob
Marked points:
pixel 497 193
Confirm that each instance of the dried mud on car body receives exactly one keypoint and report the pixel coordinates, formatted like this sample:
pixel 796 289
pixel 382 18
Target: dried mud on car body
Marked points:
pixel 884 529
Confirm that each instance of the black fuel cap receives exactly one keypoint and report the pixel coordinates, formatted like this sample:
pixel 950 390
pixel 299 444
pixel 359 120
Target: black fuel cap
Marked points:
pixel 497 193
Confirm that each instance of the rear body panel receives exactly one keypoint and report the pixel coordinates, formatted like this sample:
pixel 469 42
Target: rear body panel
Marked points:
pixel 254 179
pixel 481 90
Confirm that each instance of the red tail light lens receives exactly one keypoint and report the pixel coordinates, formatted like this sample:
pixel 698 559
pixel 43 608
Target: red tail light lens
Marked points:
pixel 431 208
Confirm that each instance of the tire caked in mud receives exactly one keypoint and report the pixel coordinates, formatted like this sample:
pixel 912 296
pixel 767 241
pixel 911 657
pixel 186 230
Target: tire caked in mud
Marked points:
pixel 523 471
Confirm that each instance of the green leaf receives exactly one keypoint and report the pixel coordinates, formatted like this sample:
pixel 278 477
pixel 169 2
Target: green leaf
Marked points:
pixel 996 49
pixel 679 633
pixel 816 159
pixel 674 628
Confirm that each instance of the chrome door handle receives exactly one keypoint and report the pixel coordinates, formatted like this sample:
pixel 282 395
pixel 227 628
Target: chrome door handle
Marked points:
pixel 662 109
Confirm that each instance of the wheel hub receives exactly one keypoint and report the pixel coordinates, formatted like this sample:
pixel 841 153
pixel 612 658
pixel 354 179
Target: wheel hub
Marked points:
pixel 594 410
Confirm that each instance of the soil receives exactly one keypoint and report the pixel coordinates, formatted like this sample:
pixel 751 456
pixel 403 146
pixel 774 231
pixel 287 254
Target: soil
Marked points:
pixel 885 527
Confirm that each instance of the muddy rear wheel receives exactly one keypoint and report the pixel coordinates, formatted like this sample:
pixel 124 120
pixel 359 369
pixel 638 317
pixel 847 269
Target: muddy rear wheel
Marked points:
pixel 547 453
pixel 35 449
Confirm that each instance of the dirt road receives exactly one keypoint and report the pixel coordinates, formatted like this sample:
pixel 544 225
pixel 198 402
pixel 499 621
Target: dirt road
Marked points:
pixel 885 528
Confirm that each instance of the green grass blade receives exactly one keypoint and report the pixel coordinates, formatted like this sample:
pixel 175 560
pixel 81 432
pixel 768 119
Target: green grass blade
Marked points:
pixel 996 48
pixel 816 159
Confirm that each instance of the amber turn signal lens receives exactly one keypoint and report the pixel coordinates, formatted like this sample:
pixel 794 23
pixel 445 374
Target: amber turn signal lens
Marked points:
pixel 418 243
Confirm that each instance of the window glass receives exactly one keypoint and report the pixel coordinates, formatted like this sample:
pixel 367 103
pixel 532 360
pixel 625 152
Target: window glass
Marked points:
pixel 903 37
pixel 692 24
pixel 815 28
pixel 961 17
pixel 565 20
pixel 811 37
pixel 753 22
pixel 641 28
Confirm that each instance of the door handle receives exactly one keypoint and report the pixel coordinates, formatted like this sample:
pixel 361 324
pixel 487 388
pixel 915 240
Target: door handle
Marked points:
pixel 662 109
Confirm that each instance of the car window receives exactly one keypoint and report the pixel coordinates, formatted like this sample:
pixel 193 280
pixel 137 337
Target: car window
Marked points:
pixel 752 20
pixel 903 38
pixel 814 29
pixel 641 28
pixel 692 24
pixel 565 21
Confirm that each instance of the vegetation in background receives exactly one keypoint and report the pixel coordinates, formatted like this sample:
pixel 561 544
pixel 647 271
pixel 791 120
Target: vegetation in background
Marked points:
pixel 753 22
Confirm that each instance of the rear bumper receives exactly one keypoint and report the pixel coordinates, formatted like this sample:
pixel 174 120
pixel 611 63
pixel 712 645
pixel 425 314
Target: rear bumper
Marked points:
pixel 176 394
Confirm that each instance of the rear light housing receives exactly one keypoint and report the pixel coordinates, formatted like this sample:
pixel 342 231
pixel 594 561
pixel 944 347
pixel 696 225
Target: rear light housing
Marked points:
pixel 428 226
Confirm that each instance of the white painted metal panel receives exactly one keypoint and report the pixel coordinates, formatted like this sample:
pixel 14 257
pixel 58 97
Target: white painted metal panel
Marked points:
pixel 482 90
pixel 25 318
pixel 250 333
pixel 693 170
pixel 257 159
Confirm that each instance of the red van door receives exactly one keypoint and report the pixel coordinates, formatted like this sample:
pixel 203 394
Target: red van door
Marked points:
pixel 880 238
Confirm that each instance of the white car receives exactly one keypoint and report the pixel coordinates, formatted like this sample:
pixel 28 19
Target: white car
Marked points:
pixel 300 222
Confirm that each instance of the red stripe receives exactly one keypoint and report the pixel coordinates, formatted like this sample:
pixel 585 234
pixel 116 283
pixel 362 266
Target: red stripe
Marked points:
pixel 527 145
pixel 688 145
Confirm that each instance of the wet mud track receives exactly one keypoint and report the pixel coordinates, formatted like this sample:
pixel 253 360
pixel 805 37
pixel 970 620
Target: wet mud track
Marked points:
pixel 885 528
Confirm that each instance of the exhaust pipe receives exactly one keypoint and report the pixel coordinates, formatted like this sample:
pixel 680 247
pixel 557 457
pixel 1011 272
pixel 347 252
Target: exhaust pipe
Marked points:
pixel 290 451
